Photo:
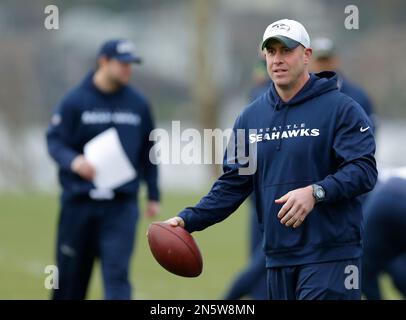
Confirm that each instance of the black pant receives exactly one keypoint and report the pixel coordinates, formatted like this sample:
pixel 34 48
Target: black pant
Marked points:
pixel 89 229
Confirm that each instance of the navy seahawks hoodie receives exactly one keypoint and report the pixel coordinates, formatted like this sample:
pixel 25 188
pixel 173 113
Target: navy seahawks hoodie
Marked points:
pixel 86 112
pixel 320 136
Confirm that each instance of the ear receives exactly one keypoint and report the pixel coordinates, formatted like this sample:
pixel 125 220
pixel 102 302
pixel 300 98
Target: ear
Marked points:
pixel 336 62
pixel 102 61
pixel 307 55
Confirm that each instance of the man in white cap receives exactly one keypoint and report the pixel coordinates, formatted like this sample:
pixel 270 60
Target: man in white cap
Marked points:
pixel 314 157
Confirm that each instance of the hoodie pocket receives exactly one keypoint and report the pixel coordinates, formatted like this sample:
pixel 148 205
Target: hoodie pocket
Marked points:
pixel 276 235
pixel 295 184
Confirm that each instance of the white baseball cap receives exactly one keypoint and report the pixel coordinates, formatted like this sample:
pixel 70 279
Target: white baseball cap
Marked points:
pixel 289 32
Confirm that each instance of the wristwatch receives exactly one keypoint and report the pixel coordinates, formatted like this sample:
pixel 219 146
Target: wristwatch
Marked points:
pixel 318 193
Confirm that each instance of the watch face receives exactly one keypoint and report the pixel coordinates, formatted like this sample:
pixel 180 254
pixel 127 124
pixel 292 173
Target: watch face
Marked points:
pixel 320 193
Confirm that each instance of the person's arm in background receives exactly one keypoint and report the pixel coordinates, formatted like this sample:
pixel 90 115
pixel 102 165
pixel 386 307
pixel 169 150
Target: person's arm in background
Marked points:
pixel 149 168
pixel 354 148
pixel 59 132
pixel 225 196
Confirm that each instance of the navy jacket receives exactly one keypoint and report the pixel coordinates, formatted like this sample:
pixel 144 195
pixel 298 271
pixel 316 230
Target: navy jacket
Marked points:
pixel 320 136
pixel 84 113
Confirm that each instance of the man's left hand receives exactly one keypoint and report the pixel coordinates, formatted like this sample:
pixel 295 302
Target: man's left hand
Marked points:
pixel 152 209
pixel 297 205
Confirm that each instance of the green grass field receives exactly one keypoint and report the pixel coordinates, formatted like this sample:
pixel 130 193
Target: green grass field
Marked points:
pixel 27 233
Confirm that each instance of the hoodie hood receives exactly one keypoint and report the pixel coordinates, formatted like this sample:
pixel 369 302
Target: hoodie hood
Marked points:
pixel 318 84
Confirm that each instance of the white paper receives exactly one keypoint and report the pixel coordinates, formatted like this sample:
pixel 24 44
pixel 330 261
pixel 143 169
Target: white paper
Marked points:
pixel 106 154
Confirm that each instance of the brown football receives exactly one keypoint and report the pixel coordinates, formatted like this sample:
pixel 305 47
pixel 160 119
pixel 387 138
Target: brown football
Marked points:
pixel 175 249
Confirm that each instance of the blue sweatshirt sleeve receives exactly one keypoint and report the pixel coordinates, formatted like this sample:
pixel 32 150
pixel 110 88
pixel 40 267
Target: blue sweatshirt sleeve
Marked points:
pixel 149 169
pixel 59 134
pixel 367 105
pixel 354 148
pixel 228 192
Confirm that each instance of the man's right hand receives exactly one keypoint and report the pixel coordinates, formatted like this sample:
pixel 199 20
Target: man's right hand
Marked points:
pixel 175 221
pixel 83 168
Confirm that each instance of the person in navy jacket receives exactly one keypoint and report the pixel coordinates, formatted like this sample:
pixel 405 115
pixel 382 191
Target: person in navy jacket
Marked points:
pixel 97 222
pixel 308 153
pixel 384 234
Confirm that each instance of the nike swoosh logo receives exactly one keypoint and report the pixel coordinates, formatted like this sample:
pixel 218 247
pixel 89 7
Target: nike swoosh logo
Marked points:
pixel 363 129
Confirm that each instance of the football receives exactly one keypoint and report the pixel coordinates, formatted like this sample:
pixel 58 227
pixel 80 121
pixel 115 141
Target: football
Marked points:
pixel 175 249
